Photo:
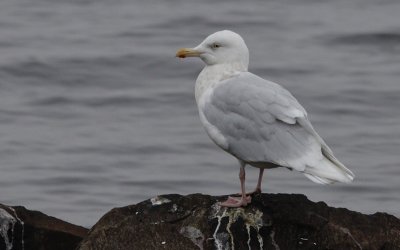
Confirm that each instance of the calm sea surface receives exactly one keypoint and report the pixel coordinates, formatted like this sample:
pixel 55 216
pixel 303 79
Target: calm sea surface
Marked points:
pixel 95 111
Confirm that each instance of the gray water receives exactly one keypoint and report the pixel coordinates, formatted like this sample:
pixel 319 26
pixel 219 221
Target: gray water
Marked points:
pixel 95 111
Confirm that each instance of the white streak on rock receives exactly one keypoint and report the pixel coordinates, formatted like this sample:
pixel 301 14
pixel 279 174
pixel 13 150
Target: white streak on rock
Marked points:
pixel 194 234
pixel 228 229
pixel 217 241
pixel 251 217
pixel 272 235
pixel 174 208
pixel 248 233
pixel 7 220
pixel 347 231
pixel 23 227
pixel 159 200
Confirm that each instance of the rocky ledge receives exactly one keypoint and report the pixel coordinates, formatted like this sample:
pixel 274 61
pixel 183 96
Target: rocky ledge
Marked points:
pixel 22 229
pixel 271 221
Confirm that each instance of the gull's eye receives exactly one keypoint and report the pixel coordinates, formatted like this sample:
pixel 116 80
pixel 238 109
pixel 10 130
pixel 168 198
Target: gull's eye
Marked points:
pixel 215 45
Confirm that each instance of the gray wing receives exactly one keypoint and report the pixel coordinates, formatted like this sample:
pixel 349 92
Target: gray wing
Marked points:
pixel 262 123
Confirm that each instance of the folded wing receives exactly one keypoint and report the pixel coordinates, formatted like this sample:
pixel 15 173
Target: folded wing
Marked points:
pixel 261 122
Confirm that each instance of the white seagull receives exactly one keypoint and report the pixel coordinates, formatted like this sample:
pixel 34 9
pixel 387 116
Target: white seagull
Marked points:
pixel 257 121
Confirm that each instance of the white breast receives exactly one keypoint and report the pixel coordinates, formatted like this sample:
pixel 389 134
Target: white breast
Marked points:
pixel 213 132
pixel 213 75
pixel 209 78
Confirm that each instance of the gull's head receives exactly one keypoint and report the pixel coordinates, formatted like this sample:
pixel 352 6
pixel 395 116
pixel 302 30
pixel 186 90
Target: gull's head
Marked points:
pixel 222 47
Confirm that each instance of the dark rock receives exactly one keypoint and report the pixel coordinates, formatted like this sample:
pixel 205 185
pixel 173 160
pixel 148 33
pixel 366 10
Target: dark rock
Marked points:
pixel 272 221
pixel 30 230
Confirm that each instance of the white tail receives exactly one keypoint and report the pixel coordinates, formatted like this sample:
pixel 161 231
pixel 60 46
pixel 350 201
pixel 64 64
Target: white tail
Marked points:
pixel 328 170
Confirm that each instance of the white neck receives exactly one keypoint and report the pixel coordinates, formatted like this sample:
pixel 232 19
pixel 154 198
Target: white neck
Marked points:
pixel 211 75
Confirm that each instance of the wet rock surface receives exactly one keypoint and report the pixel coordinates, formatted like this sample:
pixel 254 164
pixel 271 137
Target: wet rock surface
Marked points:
pixel 271 221
pixel 30 230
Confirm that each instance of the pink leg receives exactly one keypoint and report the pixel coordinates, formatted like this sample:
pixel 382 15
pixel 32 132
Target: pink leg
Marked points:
pixel 258 188
pixel 244 200
pixel 260 176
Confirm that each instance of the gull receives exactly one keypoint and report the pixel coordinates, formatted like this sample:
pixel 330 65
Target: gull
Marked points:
pixel 257 121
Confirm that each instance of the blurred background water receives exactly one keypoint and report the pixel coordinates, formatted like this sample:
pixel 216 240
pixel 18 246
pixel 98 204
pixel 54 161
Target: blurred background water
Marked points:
pixel 95 111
